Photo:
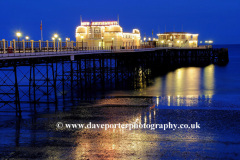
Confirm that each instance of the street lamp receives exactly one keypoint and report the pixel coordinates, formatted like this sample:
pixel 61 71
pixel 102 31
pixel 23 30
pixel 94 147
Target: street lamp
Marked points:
pixel 102 43
pixel 60 44
pixel 150 44
pixel 19 34
pixel 55 38
pixel 82 42
pixel 27 38
pixel 67 39
pixel 144 40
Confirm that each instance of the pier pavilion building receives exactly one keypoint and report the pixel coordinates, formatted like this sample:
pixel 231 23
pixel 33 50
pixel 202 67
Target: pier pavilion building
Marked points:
pixel 178 39
pixel 105 35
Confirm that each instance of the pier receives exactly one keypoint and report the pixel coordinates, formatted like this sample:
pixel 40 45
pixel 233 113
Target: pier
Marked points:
pixel 33 79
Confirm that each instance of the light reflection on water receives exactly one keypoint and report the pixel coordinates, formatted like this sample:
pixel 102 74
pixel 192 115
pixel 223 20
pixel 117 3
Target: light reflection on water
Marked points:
pixel 190 81
pixel 211 141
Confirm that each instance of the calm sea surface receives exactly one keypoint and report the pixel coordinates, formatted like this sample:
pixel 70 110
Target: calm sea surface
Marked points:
pixel 208 95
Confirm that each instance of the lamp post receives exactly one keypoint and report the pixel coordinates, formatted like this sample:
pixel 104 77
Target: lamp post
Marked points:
pixel 149 40
pixel 19 34
pixel 67 39
pixel 55 37
pixel 60 44
pixel 144 41
pixel 82 42
pixel 102 43
pixel 27 38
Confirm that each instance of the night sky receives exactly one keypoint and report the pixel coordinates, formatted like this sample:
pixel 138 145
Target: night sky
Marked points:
pixel 216 20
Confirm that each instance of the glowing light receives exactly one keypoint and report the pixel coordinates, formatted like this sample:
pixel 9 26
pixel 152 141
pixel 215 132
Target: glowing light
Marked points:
pixel 210 41
pixel 209 80
pixel 112 38
pixel 149 39
pixel 107 23
pixel 27 38
pixel 81 37
pixel 19 34
pixel 102 37
pixel 162 41
pixel 59 39
pixel 55 36
pixel 144 38
pixel 169 100
pixel 178 41
pixel 85 23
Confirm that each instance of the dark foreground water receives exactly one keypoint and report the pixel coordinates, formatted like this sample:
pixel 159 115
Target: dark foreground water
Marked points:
pixel 208 95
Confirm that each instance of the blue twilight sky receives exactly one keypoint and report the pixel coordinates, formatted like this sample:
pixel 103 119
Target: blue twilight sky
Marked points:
pixel 218 20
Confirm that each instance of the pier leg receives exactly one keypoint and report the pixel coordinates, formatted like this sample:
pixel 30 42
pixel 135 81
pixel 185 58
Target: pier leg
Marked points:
pixel 30 84
pixel 47 86
pixel 63 84
pixel 17 100
pixel 72 81
pixel 55 85
pixel 34 89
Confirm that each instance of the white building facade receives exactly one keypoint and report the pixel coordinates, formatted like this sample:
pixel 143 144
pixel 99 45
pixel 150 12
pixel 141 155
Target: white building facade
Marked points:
pixel 106 34
pixel 178 39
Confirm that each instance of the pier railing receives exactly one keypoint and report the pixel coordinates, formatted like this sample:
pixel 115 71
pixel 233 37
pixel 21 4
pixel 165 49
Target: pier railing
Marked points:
pixel 31 46
pixel 34 47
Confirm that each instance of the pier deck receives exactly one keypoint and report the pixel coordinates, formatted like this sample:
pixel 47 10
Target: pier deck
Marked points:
pixel 161 51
